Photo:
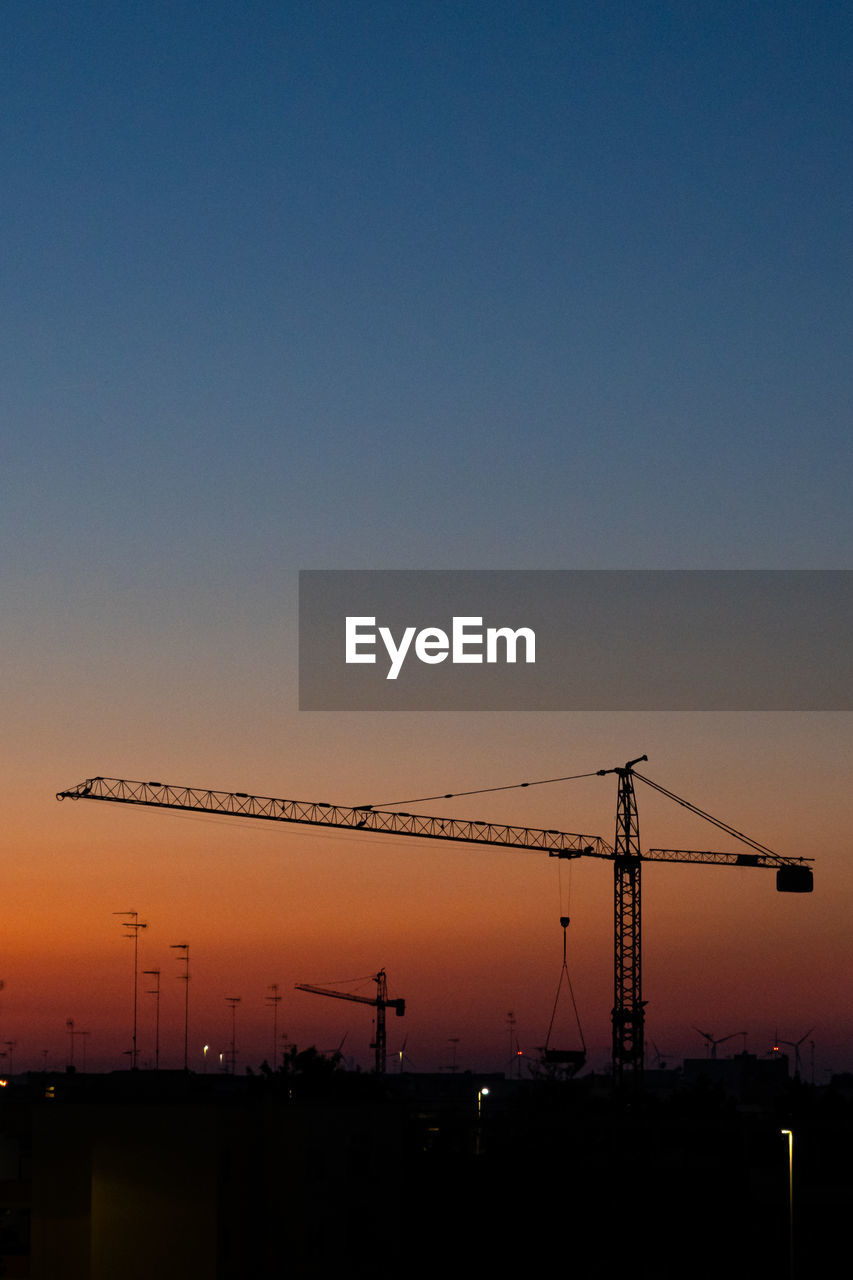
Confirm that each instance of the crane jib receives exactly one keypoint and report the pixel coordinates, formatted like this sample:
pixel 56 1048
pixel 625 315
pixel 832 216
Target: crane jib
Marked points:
pixel 314 813
pixel 792 876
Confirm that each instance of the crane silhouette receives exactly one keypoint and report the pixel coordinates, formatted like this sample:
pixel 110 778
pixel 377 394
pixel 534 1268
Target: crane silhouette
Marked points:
pixel 793 875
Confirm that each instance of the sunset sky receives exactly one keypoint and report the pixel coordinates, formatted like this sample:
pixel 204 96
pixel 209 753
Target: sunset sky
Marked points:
pixel 321 285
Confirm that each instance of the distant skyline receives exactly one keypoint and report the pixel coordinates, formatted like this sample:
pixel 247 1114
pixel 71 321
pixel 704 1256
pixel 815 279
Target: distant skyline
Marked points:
pixel 406 286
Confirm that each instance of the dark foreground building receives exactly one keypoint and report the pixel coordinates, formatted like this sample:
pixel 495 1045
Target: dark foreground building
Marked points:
pixel 164 1175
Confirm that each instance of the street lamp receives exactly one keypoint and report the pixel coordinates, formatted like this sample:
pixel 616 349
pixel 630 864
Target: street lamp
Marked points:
pixel 789 1134
pixel 481 1094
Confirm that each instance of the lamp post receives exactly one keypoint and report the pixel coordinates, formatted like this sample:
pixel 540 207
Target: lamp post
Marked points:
pixel 789 1135
pixel 481 1094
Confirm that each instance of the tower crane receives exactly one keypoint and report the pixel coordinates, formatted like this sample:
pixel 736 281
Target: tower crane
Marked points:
pixel 380 1003
pixel 793 875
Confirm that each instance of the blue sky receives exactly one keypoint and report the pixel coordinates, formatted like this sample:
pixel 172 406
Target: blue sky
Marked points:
pixel 415 284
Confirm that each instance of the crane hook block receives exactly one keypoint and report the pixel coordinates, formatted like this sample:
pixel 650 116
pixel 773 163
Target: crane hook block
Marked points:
pixel 794 879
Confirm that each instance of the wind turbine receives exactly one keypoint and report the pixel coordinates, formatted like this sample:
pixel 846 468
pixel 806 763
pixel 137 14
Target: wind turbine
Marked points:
pixel 661 1057
pixel 795 1045
pixel 403 1056
pixel 714 1041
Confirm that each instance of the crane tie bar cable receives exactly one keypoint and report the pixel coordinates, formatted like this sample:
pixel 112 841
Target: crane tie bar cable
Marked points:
pixel 716 822
pixel 480 791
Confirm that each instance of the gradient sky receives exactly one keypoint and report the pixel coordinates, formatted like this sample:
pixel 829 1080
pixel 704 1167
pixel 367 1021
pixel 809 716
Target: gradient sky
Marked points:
pixel 327 285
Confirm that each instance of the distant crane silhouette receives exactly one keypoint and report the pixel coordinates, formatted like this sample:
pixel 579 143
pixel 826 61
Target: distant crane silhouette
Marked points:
pixel 379 1002
pixel 713 1041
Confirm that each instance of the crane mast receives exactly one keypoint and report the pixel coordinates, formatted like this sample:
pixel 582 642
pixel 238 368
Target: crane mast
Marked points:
pixel 628 1016
pixel 792 874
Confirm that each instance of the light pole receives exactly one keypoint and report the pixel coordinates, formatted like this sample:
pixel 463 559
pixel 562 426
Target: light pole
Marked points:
pixel 481 1094
pixel 788 1133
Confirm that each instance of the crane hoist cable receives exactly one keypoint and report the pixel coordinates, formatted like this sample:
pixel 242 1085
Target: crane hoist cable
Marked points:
pixel 564 977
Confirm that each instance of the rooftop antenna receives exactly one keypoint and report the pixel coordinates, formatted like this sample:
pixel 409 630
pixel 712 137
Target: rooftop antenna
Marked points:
pixel 453 1040
pixel 133 925
pixel 275 1001
pixel 514 1061
pixel 233 1001
pixel 185 977
pixel 155 991
pixel 72 1035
